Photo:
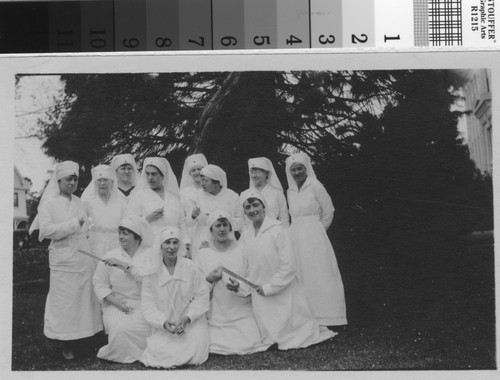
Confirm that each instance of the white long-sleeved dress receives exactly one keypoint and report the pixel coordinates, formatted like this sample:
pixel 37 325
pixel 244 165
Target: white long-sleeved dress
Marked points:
pixel 145 201
pixel 104 218
pixel 127 332
pixel 167 297
pixel 72 310
pixel 283 314
pixel 311 210
pixel 232 325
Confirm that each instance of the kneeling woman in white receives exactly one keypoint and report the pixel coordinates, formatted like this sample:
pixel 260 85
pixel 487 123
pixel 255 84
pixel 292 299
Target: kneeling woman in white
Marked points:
pixel 232 325
pixel 117 283
pixel 279 304
pixel 174 301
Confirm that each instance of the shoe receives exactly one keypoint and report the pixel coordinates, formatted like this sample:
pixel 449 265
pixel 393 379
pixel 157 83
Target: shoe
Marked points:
pixel 68 354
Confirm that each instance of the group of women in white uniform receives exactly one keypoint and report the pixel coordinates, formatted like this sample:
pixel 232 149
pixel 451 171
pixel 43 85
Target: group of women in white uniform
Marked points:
pixel 173 281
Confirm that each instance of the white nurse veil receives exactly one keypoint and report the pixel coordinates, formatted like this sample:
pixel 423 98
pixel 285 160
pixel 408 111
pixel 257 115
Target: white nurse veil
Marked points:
pixel 303 159
pixel 198 159
pixel 100 171
pixel 265 164
pixel 169 178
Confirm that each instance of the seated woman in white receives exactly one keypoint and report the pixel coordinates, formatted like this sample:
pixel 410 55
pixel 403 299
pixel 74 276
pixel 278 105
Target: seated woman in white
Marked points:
pixel 175 299
pixel 263 178
pixel 279 304
pixel 117 284
pixel 232 326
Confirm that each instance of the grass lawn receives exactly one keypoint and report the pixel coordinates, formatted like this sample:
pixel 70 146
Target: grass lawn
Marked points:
pixel 419 305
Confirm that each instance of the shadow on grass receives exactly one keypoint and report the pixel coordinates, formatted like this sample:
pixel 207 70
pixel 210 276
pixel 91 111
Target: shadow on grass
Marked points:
pixel 427 304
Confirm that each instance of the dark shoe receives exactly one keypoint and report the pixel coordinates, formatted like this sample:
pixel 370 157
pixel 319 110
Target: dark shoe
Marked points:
pixel 337 329
pixel 273 347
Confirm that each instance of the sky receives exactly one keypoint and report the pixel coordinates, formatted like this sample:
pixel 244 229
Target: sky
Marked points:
pixel 35 95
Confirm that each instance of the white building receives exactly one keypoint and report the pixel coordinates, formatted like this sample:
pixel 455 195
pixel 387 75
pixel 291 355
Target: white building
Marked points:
pixel 477 94
pixel 21 187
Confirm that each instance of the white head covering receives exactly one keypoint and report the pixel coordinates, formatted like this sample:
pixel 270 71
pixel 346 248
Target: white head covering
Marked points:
pixel 169 178
pixel 157 255
pixel 265 164
pixel 192 161
pixel 216 215
pixel 140 226
pixel 100 171
pixel 252 193
pixel 126 158
pixel 63 169
pixel 214 172
pixel 303 159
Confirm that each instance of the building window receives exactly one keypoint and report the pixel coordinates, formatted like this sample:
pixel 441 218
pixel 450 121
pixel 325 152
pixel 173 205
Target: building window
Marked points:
pixel 16 200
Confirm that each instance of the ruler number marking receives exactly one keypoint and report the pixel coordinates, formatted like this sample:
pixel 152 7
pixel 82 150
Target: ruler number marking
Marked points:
pixel 355 39
pixel 96 41
pixel 391 38
pixel 130 43
pixel 163 42
pixel 261 40
pixel 293 40
pixel 201 41
pixel 228 41
pixel 323 40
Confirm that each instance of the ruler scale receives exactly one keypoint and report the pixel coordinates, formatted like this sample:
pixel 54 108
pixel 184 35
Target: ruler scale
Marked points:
pixel 62 26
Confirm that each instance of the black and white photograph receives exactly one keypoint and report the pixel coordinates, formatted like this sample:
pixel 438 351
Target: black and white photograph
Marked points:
pixel 297 213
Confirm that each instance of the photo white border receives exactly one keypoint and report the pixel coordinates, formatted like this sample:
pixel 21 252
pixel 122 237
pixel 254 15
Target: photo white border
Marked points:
pixel 280 60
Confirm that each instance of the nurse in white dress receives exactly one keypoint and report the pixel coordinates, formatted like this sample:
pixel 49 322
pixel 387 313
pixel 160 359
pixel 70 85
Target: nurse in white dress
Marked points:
pixel 117 284
pixel 175 299
pixel 125 169
pixel 232 325
pixel 215 197
pixel 72 310
pixel 190 187
pixel 279 304
pixel 157 198
pixel 263 178
pixel 312 210
pixel 105 208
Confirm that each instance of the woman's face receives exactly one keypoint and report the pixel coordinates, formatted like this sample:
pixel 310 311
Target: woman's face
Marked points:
pixel 221 229
pixel 126 238
pixel 67 185
pixel 258 176
pixel 104 185
pixel 169 248
pixel 254 210
pixel 124 173
pixel 299 172
pixel 154 177
pixel 209 185
pixel 195 174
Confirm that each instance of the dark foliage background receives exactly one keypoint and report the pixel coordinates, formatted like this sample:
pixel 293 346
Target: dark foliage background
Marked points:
pixel 384 143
